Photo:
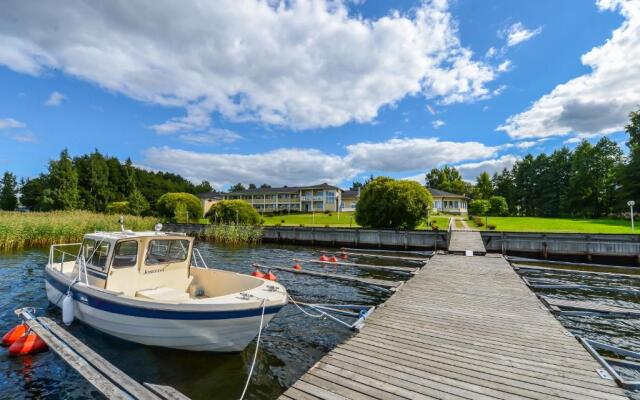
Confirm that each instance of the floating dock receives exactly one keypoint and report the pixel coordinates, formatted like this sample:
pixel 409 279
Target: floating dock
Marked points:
pixel 463 328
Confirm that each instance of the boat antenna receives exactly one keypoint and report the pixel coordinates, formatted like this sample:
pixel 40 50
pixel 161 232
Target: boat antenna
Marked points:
pixel 121 222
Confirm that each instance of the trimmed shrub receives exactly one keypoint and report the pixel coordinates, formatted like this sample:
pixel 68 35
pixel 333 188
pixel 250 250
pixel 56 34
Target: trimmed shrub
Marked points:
pixel 166 205
pixel 498 206
pixel 395 204
pixel 478 221
pixel 491 227
pixel 479 207
pixel 233 212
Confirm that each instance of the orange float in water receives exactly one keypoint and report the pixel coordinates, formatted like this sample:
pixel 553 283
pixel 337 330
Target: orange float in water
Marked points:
pixel 333 259
pixel 27 344
pixel 297 267
pixel 257 273
pixel 14 334
pixel 324 258
pixel 270 276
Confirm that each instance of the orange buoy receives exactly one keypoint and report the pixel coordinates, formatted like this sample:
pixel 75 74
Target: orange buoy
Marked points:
pixel 297 267
pixel 14 334
pixel 258 274
pixel 270 276
pixel 27 344
pixel 333 259
pixel 324 258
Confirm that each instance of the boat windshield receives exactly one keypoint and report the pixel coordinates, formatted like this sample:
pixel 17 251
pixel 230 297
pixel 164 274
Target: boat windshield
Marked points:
pixel 167 250
pixel 95 252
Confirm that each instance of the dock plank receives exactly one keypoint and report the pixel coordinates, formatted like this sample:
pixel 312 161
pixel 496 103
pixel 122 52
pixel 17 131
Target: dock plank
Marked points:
pixel 463 328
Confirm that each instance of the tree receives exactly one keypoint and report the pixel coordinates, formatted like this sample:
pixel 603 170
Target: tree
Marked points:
pixel 265 186
pixel 8 193
pixel 233 212
pixel 238 187
pixel 118 207
pixel 630 176
pixel 61 192
pixel 166 205
pixel 252 186
pixel 181 213
pixel 355 185
pixel 203 187
pixel 32 191
pixel 136 202
pixel 503 185
pixel 498 206
pixel 484 187
pixel 447 179
pixel 94 188
pixel 395 204
pixel 479 207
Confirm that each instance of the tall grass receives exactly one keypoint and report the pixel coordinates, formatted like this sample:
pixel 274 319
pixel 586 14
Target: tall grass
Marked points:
pixel 233 234
pixel 41 229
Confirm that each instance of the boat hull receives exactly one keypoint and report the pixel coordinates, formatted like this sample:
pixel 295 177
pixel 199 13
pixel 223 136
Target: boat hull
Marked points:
pixel 202 330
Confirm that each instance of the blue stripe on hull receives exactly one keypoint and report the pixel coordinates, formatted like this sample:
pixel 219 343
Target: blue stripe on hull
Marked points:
pixel 133 311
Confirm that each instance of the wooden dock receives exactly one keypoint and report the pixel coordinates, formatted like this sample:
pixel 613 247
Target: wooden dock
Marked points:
pixel 461 242
pixel 462 328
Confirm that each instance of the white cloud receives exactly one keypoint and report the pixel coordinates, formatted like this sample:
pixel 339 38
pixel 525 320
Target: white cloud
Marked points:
pixel 278 167
pixel 10 123
pixel 470 171
pixel 526 144
pixel 599 101
pixel 408 154
pixel 211 136
pixel 504 66
pixel 291 166
pixel 302 64
pixel 14 130
pixel 517 34
pixel 55 99
pixel 492 52
pixel 437 123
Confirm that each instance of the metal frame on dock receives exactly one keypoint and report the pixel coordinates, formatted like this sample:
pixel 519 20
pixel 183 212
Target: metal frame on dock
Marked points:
pixel 592 346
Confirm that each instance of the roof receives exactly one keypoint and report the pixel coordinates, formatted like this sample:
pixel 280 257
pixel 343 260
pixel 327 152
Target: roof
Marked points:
pixel 129 234
pixel 290 189
pixel 210 195
pixel 442 193
pixel 350 193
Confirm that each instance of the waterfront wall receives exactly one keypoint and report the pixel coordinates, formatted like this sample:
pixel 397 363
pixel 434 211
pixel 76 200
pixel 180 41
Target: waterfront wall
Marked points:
pixel 371 238
pixel 550 245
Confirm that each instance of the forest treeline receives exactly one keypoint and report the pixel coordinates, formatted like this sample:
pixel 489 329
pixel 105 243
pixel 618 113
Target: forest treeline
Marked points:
pixel 93 181
pixel 592 180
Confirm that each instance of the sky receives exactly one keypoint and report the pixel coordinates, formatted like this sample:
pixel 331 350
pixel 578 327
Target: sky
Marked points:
pixel 310 91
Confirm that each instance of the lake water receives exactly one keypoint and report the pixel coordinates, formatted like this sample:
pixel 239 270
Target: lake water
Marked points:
pixel 291 343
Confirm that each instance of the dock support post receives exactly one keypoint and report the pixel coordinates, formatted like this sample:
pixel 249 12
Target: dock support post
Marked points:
pixel 545 250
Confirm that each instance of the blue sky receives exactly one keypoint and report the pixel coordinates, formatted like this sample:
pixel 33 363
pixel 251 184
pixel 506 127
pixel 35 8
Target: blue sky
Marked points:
pixel 311 91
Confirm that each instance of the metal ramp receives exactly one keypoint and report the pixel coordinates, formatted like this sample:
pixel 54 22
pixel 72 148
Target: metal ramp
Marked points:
pixel 461 242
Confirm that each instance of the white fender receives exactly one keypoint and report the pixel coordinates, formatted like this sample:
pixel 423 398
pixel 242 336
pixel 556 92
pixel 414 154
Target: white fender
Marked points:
pixel 68 309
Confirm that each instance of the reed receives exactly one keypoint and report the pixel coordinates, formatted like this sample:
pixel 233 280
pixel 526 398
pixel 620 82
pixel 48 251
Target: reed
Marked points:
pixel 40 229
pixel 232 234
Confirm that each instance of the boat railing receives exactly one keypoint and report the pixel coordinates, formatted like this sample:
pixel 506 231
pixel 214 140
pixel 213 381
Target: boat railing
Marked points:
pixel 197 260
pixel 59 255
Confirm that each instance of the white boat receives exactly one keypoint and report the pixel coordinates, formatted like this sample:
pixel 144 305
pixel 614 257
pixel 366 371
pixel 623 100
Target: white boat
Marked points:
pixel 154 288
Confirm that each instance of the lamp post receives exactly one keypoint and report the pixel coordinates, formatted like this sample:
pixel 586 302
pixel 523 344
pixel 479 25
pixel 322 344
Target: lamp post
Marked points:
pixel 631 203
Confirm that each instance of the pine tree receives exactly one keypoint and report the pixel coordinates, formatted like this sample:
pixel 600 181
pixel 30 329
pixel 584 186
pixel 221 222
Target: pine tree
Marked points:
pixel 62 184
pixel 137 203
pixel 484 187
pixel 631 172
pixel 8 193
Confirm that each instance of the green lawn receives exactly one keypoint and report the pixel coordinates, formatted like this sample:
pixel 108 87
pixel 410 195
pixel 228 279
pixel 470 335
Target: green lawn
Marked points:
pixel 532 224
pixel 345 219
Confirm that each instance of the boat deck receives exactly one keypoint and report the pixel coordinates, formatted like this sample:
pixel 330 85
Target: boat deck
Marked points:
pixel 462 328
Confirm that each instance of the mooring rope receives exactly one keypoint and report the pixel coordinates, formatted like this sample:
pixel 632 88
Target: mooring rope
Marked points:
pixel 255 354
pixel 303 311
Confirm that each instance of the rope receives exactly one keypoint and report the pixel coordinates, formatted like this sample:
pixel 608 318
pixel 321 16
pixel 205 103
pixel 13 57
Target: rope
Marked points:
pixel 303 311
pixel 255 354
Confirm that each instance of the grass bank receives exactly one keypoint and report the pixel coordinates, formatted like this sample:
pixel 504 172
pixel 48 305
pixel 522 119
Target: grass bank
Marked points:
pixel 233 234
pixel 38 229
pixel 566 225
pixel 335 220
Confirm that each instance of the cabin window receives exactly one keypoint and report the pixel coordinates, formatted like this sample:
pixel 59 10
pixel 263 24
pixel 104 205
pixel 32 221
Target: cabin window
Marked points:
pixel 164 251
pixel 95 252
pixel 125 254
